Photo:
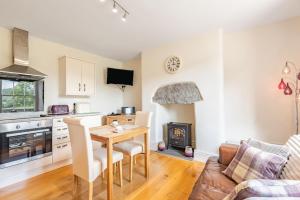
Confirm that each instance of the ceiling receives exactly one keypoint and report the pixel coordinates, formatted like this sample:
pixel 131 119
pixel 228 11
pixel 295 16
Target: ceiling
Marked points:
pixel 92 26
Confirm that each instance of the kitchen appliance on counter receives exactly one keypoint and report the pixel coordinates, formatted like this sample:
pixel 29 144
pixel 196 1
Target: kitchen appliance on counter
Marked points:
pixel 80 108
pixel 128 110
pixel 59 110
pixel 25 141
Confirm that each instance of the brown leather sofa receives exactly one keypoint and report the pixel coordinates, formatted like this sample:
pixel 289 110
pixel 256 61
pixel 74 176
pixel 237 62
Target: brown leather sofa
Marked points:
pixel 212 183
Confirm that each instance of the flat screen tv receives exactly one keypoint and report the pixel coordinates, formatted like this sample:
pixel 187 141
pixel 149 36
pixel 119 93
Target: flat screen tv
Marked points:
pixel 119 76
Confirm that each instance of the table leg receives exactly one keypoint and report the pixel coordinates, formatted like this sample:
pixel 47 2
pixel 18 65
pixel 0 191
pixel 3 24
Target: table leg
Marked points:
pixel 109 169
pixel 147 154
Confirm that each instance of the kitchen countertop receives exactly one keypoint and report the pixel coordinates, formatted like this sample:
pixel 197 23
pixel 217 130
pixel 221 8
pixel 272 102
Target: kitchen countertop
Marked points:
pixel 5 121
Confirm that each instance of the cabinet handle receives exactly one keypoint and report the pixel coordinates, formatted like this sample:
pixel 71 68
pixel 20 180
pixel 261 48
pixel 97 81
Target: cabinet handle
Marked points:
pixel 65 145
pixel 65 129
pixel 79 87
pixel 59 138
pixel 58 129
pixel 58 147
pixel 64 137
pixel 84 87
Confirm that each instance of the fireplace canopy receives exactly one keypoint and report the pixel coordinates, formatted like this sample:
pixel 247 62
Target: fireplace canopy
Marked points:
pixel 178 93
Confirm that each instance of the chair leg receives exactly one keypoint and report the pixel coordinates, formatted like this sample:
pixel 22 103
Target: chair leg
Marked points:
pixel 120 173
pixel 115 168
pixel 134 158
pixel 75 186
pixel 130 167
pixel 103 174
pixel 90 190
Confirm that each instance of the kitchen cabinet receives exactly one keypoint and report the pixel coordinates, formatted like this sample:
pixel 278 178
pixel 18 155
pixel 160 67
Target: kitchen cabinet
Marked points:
pixel 77 76
pixel 61 152
pixel 61 145
pixel 121 119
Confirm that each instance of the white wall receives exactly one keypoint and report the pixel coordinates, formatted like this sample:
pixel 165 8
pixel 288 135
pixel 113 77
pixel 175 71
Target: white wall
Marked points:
pixel 132 94
pixel 237 74
pixel 44 57
pixel 253 61
pixel 202 64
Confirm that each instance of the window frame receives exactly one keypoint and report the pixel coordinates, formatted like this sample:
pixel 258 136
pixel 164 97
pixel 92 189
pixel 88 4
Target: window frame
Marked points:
pixel 14 109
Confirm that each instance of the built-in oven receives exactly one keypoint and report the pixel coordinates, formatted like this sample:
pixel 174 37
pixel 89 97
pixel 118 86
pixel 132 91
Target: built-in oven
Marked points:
pixel 25 141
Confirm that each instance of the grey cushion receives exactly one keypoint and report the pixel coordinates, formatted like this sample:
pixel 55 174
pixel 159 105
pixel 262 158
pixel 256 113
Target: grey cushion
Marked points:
pixel 280 150
pixel 129 147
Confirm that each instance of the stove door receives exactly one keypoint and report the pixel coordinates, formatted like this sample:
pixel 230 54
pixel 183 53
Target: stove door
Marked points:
pixel 15 146
pixel 19 147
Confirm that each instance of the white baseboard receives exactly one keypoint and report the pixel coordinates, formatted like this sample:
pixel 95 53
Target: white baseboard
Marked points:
pixel 23 172
pixel 153 146
pixel 202 156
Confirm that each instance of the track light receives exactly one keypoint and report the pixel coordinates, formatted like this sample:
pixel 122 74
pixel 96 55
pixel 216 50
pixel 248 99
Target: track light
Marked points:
pixel 124 17
pixel 115 9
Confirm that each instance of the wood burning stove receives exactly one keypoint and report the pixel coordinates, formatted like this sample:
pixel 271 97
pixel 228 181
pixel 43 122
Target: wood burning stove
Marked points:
pixel 179 135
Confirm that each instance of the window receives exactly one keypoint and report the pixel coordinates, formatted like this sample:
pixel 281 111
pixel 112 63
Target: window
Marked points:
pixel 18 96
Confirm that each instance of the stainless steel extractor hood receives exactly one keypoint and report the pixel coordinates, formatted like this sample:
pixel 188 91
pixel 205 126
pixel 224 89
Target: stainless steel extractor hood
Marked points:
pixel 20 69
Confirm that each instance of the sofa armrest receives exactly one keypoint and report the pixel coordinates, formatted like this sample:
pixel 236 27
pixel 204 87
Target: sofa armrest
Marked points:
pixel 227 153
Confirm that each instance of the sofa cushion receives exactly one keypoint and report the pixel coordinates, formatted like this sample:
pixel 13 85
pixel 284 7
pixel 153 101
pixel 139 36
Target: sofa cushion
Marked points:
pixel 227 153
pixel 212 184
pixel 253 163
pixel 265 189
pixel 292 168
pixel 280 150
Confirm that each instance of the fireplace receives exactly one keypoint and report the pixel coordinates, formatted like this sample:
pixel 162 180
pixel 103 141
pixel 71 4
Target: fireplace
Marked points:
pixel 179 135
pixel 176 102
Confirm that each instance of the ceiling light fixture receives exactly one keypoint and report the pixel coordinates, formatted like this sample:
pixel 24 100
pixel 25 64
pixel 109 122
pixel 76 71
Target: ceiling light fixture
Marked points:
pixel 102 1
pixel 116 7
pixel 124 17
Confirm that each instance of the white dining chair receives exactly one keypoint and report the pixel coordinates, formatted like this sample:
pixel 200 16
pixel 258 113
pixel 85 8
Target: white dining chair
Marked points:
pixel 93 121
pixel 134 147
pixel 88 163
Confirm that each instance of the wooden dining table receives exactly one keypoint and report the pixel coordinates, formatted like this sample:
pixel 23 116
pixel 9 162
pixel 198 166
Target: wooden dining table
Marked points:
pixel 107 135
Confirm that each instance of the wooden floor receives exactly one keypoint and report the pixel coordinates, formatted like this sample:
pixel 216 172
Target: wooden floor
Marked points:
pixel 170 179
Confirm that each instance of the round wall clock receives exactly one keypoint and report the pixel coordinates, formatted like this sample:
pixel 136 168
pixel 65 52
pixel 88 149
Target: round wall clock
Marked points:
pixel 173 64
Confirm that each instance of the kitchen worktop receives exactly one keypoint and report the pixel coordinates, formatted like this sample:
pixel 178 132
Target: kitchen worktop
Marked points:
pixel 33 118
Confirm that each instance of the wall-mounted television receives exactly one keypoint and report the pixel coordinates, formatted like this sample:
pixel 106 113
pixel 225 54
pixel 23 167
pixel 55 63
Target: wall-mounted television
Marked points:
pixel 119 76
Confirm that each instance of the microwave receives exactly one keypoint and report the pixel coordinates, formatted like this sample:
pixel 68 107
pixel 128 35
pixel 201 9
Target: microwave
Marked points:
pixel 128 110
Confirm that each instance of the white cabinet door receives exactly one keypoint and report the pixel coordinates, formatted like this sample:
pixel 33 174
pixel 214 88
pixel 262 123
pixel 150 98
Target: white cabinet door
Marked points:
pixel 61 152
pixel 78 76
pixel 88 78
pixel 73 77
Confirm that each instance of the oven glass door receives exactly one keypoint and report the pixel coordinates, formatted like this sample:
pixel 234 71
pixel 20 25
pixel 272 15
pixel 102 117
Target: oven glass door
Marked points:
pixel 38 146
pixel 19 147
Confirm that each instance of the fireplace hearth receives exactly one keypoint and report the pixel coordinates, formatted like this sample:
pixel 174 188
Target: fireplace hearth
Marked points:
pixel 179 135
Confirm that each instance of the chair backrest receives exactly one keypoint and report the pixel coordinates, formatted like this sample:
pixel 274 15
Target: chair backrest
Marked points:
pixel 82 149
pixel 143 118
pixel 93 121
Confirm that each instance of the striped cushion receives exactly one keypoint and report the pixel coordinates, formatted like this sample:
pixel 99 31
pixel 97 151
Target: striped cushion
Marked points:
pixel 262 189
pixel 292 168
pixel 252 163
pixel 280 150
